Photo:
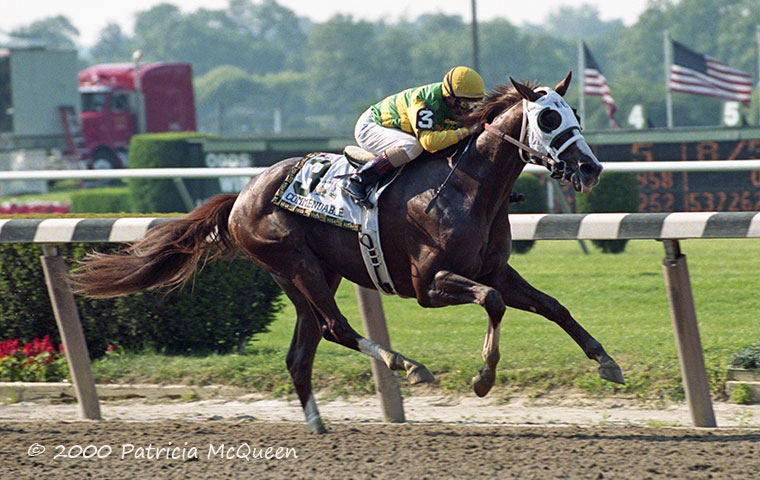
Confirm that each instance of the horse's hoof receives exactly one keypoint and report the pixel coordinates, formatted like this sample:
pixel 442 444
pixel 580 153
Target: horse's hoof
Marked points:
pixel 316 426
pixel 610 371
pixel 482 382
pixel 420 374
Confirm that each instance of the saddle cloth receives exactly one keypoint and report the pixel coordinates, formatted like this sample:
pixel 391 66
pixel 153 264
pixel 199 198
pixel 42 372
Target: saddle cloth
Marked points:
pixel 312 189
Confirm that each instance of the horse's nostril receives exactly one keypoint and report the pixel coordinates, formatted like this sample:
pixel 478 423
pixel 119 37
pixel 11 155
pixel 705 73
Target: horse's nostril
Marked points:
pixel 590 169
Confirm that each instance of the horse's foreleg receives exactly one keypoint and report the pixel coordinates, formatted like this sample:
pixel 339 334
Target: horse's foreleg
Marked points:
pixel 518 293
pixel 300 360
pixel 449 288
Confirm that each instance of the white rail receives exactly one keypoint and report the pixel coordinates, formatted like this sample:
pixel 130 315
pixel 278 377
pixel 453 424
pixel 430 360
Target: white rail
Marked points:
pixel 158 173
pixel 148 173
pixel 671 166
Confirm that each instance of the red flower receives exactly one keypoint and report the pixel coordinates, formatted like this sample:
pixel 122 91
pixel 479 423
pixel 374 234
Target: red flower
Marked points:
pixel 9 348
pixel 34 207
pixel 37 346
pixel 45 345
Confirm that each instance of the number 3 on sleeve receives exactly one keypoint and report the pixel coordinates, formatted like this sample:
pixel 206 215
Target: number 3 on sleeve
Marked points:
pixel 425 119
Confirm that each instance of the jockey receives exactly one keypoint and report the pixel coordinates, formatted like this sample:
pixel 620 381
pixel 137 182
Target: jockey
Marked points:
pixel 400 127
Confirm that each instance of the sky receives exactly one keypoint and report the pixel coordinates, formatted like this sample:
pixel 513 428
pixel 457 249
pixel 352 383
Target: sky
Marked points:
pixel 90 16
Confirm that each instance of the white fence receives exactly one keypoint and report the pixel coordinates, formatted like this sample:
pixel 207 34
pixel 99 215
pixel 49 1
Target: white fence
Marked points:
pixel 159 173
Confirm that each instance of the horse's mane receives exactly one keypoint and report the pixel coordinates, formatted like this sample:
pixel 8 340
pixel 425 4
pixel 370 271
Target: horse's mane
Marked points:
pixel 499 99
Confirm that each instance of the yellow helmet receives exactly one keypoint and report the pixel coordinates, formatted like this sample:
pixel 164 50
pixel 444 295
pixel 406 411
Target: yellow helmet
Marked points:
pixel 463 82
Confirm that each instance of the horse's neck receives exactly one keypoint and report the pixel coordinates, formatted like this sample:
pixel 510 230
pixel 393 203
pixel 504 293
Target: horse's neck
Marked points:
pixel 483 174
pixel 499 167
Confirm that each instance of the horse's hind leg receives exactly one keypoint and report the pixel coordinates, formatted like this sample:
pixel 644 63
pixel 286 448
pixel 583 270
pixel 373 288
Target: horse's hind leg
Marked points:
pixel 310 281
pixel 518 293
pixel 300 359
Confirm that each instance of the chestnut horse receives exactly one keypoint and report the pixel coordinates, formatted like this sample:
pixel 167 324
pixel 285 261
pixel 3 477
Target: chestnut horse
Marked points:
pixel 444 230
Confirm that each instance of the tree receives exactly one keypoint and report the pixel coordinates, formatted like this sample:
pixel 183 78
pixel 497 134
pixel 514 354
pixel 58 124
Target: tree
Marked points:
pixel 395 43
pixel 286 92
pixel 261 41
pixel 342 82
pixel 219 90
pixel 112 45
pixel 501 52
pixel 229 99
pixel 55 32
pixel 575 23
pixel 276 27
pixel 443 42
pixel 152 28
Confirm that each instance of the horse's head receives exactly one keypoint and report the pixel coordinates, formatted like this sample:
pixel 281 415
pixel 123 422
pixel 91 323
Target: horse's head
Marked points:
pixel 553 130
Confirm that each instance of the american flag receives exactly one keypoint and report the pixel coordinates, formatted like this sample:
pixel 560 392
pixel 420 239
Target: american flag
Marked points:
pixel 697 74
pixel 594 83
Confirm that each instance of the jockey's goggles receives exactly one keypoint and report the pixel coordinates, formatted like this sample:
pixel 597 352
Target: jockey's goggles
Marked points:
pixel 465 104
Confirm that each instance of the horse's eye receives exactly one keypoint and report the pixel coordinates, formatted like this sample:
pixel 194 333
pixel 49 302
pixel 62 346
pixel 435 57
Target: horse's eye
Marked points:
pixel 549 120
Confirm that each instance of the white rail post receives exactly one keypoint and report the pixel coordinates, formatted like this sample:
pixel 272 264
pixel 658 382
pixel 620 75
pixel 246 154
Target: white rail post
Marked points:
pixel 687 335
pixel 386 383
pixel 67 318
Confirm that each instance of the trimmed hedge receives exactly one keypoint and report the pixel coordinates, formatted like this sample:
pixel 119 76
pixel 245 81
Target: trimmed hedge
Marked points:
pixel 617 192
pixel 166 150
pixel 225 305
pixel 747 358
pixel 535 202
pixel 101 200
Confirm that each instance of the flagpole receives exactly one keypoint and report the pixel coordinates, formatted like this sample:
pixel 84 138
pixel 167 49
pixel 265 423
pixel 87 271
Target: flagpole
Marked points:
pixel 582 83
pixel 668 66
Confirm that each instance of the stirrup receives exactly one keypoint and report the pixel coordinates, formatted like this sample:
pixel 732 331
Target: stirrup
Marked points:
pixel 361 201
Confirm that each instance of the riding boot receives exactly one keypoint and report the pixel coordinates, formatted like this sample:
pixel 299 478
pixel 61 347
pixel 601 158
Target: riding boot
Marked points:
pixel 358 184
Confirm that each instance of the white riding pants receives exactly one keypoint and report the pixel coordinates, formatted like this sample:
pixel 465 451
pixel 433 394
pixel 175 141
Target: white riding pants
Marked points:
pixel 376 139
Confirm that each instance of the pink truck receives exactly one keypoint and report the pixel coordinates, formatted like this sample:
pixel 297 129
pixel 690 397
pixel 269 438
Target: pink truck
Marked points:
pixel 116 104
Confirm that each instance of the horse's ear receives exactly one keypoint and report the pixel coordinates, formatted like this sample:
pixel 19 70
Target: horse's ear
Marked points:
pixel 561 87
pixel 526 92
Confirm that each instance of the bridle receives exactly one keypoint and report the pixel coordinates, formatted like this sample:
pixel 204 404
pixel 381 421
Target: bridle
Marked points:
pixel 557 168
pixel 534 154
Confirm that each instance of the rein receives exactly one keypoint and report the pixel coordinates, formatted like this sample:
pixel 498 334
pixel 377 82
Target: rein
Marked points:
pixel 453 169
pixel 546 161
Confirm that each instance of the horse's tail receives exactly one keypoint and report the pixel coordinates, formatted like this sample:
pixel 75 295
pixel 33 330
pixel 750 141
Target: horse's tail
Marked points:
pixel 166 256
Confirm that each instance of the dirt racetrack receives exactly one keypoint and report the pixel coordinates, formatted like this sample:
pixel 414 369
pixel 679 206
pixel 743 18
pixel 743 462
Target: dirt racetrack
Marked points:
pixel 445 437
pixel 271 450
